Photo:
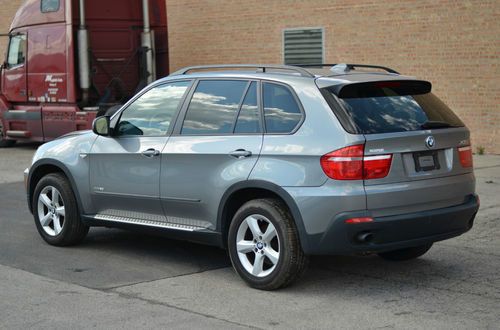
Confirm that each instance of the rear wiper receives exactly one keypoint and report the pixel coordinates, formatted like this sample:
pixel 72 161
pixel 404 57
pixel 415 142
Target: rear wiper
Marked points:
pixel 435 124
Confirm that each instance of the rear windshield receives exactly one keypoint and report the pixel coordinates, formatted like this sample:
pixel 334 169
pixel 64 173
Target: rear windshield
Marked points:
pixel 387 109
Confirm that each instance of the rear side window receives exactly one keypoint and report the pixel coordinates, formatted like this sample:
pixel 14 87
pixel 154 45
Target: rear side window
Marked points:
pixel 249 118
pixel 214 107
pixel 281 111
pixel 388 108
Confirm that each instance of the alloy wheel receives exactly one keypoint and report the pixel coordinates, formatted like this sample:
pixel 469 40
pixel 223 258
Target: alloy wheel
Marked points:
pixel 51 212
pixel 258 245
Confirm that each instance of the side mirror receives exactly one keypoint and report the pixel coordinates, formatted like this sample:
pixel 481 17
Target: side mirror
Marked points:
pixel 100 126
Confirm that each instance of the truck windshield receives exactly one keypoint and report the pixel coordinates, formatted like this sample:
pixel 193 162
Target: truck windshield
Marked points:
pixel 384 110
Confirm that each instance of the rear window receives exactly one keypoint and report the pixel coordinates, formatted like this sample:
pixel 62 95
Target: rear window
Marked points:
pixel 394 107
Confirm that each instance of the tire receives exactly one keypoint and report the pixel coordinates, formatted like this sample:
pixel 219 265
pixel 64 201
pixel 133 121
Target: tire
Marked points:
pixel 406 254
pixel 55 205
pixel 3 142
pixel 279 259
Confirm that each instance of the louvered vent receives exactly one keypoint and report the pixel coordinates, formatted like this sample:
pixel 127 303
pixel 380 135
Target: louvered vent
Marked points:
pixel 304 46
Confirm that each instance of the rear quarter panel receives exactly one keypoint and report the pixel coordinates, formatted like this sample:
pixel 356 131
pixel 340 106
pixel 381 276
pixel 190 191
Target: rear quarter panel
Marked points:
pixel 293 160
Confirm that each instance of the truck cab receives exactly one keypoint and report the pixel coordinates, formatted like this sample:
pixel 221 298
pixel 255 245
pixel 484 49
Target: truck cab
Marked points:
pixel 68 60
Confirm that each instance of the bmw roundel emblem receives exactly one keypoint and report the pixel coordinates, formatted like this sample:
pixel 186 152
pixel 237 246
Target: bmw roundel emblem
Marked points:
pixel 430 142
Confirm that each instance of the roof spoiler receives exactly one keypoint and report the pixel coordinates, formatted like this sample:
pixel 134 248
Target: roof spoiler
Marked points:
pixel 376 88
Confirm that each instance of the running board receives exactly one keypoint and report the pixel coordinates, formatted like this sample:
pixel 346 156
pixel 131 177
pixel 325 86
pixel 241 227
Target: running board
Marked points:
pixel 148 223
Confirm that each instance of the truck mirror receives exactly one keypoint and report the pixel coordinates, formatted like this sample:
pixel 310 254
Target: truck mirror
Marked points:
pixel 100 126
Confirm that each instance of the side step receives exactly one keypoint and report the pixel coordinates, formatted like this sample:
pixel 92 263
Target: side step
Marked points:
pixel 18 134
pixel 149 223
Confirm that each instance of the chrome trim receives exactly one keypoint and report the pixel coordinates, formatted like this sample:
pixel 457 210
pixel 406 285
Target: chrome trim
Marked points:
pixel 378 157
pixel 344 159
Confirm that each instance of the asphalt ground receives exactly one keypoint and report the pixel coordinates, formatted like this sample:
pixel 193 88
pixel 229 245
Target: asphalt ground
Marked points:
pixel 121 279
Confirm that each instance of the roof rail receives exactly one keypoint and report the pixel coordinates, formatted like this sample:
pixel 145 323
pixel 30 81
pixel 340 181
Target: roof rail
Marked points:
pixel 349 66
pixel 262 67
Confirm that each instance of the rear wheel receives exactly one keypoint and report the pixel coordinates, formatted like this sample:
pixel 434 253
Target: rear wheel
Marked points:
pixel 406 254
pixel 56 212
pixel 3 142
pixel 264 245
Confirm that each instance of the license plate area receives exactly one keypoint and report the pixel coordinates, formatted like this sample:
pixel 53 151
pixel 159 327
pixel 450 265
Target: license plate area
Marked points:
pixel 426 161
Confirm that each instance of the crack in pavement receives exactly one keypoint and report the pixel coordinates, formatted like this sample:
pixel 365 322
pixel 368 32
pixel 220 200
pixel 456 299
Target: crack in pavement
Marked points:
pixel 137 297
pixel 111 288
pixel 160 303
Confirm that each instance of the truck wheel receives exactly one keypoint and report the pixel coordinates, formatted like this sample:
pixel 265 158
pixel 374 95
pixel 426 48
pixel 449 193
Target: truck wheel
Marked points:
pixel 3 142
pixel 406 254
pixel 56 212
pixel 264 245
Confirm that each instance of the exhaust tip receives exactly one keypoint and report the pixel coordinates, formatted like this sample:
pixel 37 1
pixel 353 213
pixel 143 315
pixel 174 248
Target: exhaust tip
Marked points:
pixel 364 237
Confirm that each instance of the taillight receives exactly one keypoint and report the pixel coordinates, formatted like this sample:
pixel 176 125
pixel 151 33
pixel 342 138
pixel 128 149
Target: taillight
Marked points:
pixel 345 163
pixel 350 163
pixel 376 167
pixel 465 156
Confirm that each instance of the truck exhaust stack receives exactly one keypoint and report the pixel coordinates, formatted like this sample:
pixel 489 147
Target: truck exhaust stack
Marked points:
pixel 83 55
pixel 147 44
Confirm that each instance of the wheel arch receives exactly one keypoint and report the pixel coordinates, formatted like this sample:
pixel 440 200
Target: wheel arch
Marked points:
pixel 242 192
pixel 44 167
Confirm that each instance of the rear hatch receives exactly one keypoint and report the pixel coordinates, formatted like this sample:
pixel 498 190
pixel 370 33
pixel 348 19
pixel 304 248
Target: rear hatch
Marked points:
pixel 429 146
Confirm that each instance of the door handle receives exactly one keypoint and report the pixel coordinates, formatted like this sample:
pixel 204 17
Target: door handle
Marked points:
pixel 240 153
pixel 151 152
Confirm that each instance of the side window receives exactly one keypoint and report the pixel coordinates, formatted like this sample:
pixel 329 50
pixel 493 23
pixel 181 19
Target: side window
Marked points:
pixel 281 111
pixel 151 114
pixel 17 50
pixel 49 6
pixel 214 107
pixel 248 119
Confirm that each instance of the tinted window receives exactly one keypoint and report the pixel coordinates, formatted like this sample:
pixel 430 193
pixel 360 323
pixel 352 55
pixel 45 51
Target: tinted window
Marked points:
pixel 151 114
pixel 50 6
pixel 384 110
pixel 214 107
pixel 281 111
pixel 17 50
pixel 248 118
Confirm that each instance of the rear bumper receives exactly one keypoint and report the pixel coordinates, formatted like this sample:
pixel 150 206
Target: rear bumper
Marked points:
pixel 394 232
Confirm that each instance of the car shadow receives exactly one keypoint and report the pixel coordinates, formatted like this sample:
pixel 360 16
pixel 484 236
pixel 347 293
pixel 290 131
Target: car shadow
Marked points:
pixel 333 273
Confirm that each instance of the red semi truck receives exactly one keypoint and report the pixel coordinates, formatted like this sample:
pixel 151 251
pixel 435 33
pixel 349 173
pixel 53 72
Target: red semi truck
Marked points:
pixel 70 60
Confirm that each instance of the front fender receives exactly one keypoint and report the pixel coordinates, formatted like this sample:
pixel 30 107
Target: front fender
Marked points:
pixel 43 167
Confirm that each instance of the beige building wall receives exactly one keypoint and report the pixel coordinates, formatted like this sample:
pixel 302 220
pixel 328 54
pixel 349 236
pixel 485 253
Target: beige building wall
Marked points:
pixel 8 9
pixel 454 44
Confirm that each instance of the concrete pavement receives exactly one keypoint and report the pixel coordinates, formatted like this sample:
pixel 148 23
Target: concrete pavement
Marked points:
pixel 120 279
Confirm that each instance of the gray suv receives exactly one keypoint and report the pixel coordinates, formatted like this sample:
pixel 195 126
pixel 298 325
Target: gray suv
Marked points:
pixel 274 163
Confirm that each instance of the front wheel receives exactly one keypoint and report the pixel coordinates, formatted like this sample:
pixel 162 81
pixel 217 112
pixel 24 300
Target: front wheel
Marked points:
pixel 406 254
pixel 264 245
pixel 56 212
